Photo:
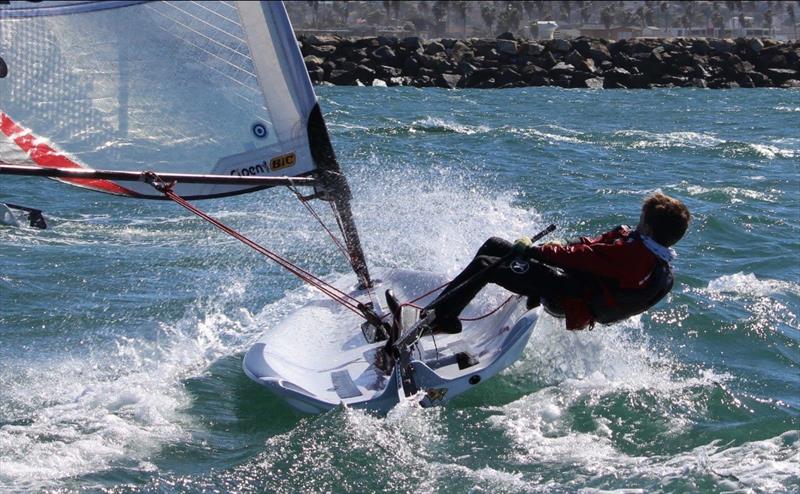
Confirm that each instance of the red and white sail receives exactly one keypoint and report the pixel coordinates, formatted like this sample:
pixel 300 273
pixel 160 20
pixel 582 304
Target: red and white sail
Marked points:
pixel 214 88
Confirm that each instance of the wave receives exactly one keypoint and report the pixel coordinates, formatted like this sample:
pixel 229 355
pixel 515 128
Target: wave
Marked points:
pixel 116 405
pixel 733 194
pixel 643 139
pixel 748 285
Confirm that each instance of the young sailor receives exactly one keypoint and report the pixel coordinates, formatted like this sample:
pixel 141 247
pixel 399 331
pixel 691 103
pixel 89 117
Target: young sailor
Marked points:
pixel 605 279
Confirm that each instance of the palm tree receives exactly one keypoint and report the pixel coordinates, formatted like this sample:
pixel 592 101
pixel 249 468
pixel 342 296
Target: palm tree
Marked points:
pixel 315 8
pixel 768 20
pixel 508 19
pixel 606 17
pixel 566 10
pixel 439 11
pixel 387 4
pixel 664 8
pixel 529 8
pixel 719 22
pixel 649 17
pixel 586 14
pixel 461 7
pixel 488 14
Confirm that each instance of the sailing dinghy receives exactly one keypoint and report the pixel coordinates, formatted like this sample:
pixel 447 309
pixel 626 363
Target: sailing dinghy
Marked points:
pixel 197 100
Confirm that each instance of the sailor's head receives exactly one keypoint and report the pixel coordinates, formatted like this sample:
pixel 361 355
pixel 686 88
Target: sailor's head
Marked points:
pixel 664 218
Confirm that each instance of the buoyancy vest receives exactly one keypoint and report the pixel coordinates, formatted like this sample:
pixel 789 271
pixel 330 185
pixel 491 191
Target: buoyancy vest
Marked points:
pixel 613 304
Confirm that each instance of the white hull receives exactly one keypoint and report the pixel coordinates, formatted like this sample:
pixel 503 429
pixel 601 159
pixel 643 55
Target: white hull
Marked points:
pixel 318 358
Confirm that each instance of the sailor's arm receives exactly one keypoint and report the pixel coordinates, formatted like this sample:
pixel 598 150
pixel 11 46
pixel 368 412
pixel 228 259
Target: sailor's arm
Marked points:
pixel 601 259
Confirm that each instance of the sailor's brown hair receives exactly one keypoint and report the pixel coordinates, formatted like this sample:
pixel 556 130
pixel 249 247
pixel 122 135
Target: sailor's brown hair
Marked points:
pixel 667 217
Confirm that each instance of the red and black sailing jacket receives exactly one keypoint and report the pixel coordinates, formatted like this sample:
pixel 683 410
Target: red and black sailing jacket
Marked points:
pixel 623 277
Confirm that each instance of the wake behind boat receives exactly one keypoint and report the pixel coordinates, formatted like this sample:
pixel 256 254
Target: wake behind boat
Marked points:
pixel 363 342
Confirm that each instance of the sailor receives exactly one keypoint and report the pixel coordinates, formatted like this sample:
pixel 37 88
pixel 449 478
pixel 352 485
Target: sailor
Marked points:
pixel 605 279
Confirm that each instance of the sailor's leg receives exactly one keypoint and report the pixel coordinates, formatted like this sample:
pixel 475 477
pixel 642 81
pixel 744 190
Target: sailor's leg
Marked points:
pixel 451 302
pixel 496 247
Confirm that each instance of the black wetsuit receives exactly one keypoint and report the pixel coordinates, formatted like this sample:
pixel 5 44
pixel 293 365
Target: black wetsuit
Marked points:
pixel 519 275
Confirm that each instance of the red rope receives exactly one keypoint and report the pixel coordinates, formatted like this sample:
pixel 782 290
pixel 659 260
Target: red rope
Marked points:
pixel 334 293
pixel 478 318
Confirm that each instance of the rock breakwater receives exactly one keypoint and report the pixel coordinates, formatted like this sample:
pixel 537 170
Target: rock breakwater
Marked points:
pixel 508 62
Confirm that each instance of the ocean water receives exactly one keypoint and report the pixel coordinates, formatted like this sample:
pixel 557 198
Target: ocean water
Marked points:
pixel 123 326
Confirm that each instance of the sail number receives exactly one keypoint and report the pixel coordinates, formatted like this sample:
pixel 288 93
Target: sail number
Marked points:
pixel 276 163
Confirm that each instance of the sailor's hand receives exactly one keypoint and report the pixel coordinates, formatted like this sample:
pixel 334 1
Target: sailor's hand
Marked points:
pixel 522 246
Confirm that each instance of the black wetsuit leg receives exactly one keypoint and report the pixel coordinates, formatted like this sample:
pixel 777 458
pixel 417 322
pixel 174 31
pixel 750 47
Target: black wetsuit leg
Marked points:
pixel 519 275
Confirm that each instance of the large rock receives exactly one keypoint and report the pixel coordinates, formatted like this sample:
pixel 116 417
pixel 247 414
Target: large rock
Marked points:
pixel 616 76
pixel 412 43
pixel 342 77
pixel 313 62
pixel 385 55
pixel 508 75
pixel 533 72
pixel 317 75
pixel 411 66
pixel 546 60
pixel 584 64
pixel 755 45
pixel 759 79
pixel 721 46
pixel 461 52
pixel 364 74
pixel 369 43
pixel 387 72
pixel 534 49
pixel 593 83
pixel 696 82
pixel 559 45
pixel 323 51
pixel 561 68
pixel 433 48
pixel 701 47
pixel 390 41
pixel 507 46
pixel 779 76
pixel 477 78
pixel 322 40
pixel 448 81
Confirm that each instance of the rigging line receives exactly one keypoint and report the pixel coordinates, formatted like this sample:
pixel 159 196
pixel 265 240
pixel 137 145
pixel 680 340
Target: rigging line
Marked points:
pixel 304 275
pixel 324 226
pixel 353 261
pixel 325 288
pixel 334 293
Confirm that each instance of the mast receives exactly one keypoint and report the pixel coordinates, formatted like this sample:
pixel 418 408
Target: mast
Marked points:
pixel 336 189
pixel 289 92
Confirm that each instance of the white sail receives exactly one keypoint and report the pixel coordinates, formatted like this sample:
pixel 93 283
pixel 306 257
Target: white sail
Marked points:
pixel 175 87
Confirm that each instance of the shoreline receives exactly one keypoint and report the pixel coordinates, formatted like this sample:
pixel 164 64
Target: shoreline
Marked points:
pixel 507 62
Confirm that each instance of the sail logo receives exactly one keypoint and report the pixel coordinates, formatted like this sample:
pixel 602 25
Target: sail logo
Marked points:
pixel 276 163
pixel 284 161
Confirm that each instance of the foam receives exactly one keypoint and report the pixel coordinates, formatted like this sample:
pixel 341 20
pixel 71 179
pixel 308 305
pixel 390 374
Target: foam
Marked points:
pixel 735 195
pixel 112 408
pixel 748 285
pixel 585 368
pixel 669 139
pixel 433 124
